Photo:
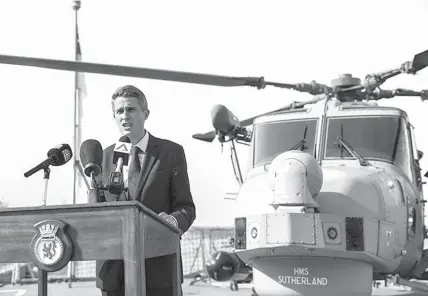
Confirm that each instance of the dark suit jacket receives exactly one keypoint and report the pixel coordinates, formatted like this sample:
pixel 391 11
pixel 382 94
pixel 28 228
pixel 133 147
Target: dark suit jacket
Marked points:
pixel 163 186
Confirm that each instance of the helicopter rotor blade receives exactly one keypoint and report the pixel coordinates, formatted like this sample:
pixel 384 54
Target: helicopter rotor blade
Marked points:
pixel 373 81
pixel 169 75
pixel 293 105
pixel 128 71
pixel 206 137
pixel 420 61
pixel 250 121
pixel 399 92
pixel 210 136
pixel 313 88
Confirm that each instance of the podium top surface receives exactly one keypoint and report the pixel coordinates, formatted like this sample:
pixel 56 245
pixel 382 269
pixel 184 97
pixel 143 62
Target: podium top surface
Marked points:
pixel 87 206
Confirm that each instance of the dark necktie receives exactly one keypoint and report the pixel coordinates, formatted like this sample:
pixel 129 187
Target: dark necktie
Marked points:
pixel 134 172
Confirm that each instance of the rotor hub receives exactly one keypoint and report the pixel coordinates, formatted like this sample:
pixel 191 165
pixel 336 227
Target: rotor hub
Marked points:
pixel 345 80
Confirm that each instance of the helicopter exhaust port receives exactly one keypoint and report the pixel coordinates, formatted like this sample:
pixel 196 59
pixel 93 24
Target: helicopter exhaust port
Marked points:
pixel 296 179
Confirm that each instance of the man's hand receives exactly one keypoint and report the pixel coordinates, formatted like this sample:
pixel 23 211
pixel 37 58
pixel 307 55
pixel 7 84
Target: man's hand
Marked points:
pixel 170 219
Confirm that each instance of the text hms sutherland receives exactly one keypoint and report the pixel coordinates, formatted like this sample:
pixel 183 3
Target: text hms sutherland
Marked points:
pixel 301 277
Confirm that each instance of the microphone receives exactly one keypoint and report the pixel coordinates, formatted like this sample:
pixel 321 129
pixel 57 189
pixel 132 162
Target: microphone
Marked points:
pixel 57 156
pixel 91 156
pixel 121 152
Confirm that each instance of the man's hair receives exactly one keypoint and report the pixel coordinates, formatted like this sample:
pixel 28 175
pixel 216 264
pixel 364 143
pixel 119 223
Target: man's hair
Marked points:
pixel 131 91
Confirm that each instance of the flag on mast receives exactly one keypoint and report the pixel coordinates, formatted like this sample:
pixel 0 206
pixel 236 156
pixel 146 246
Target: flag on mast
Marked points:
pixel 81 81
pixel 81 93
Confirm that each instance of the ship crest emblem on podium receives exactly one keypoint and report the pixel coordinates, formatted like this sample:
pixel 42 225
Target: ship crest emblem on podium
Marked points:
pixel 51 247
pixel 48 247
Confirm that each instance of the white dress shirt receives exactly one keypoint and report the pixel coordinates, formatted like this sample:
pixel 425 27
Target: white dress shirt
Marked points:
pixel 142 144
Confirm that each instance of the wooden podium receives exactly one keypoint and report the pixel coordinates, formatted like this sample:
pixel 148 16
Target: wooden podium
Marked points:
pixel 115 230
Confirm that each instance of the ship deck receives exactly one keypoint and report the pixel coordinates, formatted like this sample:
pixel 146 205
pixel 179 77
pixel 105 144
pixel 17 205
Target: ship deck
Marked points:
pixel 203 289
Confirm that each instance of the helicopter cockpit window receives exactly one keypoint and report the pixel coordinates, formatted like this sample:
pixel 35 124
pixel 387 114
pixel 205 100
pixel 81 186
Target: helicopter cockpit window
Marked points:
pixel 374 138
pixel 274 138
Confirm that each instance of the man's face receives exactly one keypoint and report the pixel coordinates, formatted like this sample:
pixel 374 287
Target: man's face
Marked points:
pixel 130 117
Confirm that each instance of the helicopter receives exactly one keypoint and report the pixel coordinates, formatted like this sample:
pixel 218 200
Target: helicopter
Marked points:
pixel 336 182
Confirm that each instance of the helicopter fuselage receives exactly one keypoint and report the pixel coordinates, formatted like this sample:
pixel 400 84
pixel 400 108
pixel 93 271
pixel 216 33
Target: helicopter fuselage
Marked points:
pixel 366 221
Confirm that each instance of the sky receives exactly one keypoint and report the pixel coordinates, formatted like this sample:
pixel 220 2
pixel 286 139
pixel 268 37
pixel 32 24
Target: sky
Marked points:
pixel 284 41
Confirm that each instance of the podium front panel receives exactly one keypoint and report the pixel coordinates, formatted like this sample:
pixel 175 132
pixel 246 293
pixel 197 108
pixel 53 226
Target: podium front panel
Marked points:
pixel 95 234
pixel 95 230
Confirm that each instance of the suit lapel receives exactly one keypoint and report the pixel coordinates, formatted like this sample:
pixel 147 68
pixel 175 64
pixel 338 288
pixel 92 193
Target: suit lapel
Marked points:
pixel 150 158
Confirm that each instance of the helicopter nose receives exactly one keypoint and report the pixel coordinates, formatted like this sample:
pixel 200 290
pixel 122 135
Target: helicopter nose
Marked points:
pixel 351 192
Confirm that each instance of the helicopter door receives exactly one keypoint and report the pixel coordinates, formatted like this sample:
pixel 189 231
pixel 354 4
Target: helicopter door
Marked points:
pixel 415 158
pixel 410 230
pixel 411 219
pixel 416 212
pixel 393 236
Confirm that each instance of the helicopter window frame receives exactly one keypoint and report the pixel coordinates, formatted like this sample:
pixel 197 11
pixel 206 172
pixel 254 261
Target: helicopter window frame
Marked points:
pixel 403 199
pixel 415 166
pixel 350 116
pixel 407 167
pixel 413 214
pixel 316 120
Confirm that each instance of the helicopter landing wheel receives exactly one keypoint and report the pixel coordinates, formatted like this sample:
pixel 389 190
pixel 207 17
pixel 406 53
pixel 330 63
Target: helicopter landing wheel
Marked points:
pixel 234 286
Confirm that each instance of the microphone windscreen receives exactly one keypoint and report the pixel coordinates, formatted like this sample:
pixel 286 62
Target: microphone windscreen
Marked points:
pixel 122 149
pixel 66 153
pixel 91 156
pixel 125 139
pixel 61 154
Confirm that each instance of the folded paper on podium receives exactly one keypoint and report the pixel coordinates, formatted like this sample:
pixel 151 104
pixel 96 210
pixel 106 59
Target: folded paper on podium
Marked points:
pixel 51 236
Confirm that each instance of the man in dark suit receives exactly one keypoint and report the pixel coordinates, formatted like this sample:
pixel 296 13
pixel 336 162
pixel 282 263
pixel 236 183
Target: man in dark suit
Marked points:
pixel 157 177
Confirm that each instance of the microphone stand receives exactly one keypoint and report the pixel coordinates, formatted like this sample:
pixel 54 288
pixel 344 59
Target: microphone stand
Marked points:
pixel 115 185
pixel 94 193
pixel 46 175
pixel 42 277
